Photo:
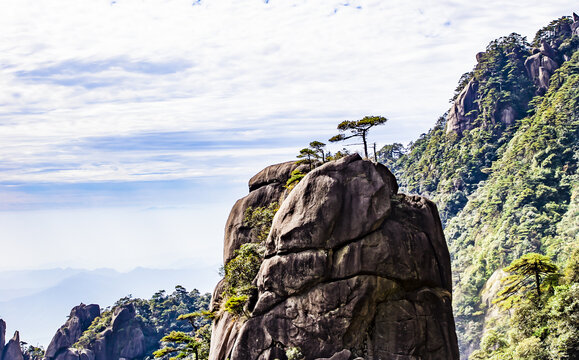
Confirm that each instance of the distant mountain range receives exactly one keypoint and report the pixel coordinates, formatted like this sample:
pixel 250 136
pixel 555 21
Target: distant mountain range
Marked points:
pixel 37 302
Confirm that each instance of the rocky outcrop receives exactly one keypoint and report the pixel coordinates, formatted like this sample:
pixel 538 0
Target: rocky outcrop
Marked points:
pixel 125 336
pixel 464 110
pixel 80 318
pixel 575 25
pixel 12 350
pixel 352 269
pixel 265 187
pixel 541 66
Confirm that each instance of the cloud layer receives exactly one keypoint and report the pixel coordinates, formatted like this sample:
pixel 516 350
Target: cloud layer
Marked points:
pixel 133 90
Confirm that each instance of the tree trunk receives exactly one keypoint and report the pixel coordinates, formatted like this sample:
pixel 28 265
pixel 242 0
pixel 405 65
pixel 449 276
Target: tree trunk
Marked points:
pixel 537 282
pixel 365 145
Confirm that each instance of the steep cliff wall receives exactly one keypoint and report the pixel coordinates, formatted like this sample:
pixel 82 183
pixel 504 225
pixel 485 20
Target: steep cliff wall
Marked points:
pixel 351 269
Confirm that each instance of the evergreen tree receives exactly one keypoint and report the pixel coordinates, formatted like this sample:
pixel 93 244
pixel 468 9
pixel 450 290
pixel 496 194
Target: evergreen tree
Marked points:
pixel 358 128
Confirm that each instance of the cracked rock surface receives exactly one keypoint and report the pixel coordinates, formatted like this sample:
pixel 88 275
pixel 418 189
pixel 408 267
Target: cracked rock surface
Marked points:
pixel 352 270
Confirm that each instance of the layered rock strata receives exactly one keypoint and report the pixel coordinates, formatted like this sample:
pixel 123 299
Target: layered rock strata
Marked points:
pixel 352 269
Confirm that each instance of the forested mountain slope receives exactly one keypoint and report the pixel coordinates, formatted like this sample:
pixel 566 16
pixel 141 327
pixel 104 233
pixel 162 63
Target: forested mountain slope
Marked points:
pixel 502 166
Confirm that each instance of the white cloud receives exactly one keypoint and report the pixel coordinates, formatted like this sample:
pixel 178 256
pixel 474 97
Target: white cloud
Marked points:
pixel 141 91
pixel 290 70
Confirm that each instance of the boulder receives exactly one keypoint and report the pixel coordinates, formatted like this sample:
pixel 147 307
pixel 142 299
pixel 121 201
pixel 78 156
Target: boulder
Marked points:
pixel 352 269
pixel 81 317
pixel 12 350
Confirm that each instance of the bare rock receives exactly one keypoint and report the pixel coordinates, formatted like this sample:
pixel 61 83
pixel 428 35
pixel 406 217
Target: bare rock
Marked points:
pixel 12 350
pixel 342 355
pixel 540 67
pixel 80 318
pixel 2 336
pixel 352 269
pixel 508 115
pixel 308 218
pixel 273 174
pixel 265 187
pixel 464 110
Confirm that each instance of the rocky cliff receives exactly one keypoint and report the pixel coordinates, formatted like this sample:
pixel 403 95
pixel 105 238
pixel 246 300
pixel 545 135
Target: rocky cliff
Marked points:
pixel 118 334
pixel 550 51
pixel 510 134
pixel 352 269
pixel 10 350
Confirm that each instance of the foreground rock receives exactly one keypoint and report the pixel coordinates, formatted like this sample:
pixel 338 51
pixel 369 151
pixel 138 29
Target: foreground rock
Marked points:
pixel 352 269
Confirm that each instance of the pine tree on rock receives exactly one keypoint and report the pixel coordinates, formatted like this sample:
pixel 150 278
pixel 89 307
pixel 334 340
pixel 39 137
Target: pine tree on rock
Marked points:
pixel 358 128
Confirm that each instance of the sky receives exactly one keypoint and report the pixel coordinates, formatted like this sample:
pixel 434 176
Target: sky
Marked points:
pixel 129 128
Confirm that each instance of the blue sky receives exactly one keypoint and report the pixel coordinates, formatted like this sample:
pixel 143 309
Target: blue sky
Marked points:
pixel 130 127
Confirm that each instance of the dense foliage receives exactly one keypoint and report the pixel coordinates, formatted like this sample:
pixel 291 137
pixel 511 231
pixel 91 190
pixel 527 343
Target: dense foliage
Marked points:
pixel 540 328
pixel 503 190
pixel 193 345
pixel 449 167
pixel 161 315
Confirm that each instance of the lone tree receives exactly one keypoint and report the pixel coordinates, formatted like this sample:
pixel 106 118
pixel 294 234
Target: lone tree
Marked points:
pixel 526 275
pixel 318 147
pixel 358 128
pixel 307 156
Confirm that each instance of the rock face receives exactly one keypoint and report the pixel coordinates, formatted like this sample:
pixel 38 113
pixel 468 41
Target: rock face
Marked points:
pixel 540 66
pixel 464 110
pixel 265 187
pixel 125 337
pixel 80 318
pixel 12 350
pixel 2 336
pixel 352 269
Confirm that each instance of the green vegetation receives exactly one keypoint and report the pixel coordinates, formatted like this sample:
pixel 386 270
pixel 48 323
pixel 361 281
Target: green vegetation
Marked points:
pixel 540 328
pixel 259 220
pixel 30 352
pixel 295 178
pixel 94 330
pixel 318 147
pixel 504 189
pixel 307 156
pixel 358 128
pixel 240 271
pixel 182 345
pixel 294 353
pixel 526 276
pixel 449 167
pixel 161 316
